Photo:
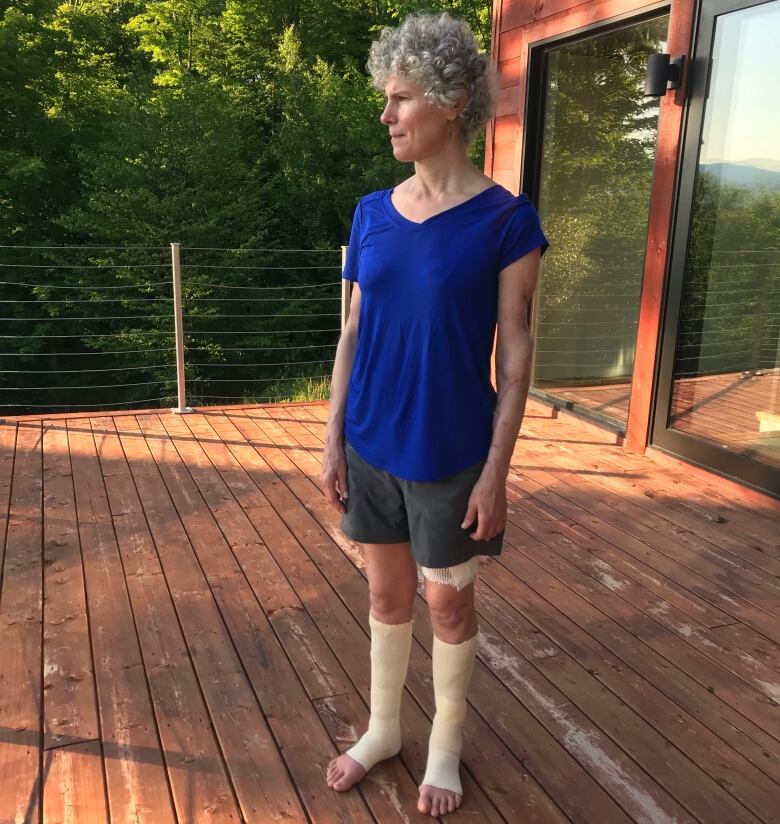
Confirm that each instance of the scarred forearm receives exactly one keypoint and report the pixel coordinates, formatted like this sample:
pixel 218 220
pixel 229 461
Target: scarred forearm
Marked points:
pixel 513 377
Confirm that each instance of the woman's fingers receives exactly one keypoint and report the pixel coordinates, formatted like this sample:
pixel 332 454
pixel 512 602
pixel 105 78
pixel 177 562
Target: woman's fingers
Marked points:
pixel 471 514
pixel 332 494
pixel 333 477
pixel 342 476
pixel 487 526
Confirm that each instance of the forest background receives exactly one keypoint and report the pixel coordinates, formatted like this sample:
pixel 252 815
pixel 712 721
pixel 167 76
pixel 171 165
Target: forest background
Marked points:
pixel 237 128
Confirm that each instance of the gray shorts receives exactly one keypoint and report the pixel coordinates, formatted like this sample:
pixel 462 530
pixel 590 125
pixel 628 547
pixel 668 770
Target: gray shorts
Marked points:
pixel 384 509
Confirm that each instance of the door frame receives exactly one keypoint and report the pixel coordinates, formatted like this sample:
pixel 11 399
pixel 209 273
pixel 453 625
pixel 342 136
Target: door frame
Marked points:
pixel 532 155
pixel 705 454
pixel 517 31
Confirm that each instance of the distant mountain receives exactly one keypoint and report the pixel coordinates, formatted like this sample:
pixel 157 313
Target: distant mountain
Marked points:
pixel 760 162
pixel 746 175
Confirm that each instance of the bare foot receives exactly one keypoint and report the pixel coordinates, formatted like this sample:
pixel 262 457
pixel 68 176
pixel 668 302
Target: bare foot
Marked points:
pixel 436 801
pixel 343 772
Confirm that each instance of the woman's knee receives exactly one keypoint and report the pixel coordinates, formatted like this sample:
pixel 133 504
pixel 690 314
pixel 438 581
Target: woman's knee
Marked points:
pixel 391 607
pixel 453 614
pixel 392 582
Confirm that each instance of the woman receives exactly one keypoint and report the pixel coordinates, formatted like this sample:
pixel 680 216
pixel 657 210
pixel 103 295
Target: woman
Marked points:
pixel 418 443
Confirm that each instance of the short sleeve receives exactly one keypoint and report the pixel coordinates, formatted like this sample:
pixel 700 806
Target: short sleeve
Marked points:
pixel 353 251
pixel 522 233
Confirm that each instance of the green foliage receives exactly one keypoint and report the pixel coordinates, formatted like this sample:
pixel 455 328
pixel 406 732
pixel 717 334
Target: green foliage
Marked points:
pixel 228 124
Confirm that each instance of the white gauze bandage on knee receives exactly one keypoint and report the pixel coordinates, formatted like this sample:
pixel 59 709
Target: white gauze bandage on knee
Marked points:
pixel 390 647
pixel 452 668
pixel 458 576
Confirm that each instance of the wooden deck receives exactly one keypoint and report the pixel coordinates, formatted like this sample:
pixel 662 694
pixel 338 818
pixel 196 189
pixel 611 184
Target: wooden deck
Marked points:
pixel 184 633
pixel 721 408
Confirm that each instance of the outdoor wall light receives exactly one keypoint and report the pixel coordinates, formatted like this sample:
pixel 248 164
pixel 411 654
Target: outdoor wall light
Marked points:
pixel 664 72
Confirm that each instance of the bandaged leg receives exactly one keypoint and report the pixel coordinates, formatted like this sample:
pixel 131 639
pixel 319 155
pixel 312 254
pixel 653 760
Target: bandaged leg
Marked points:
pixel 458 576
pixel 452 668
pixel 390 647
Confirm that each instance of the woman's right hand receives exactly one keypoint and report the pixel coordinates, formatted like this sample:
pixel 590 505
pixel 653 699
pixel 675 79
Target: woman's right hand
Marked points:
pixel 333 475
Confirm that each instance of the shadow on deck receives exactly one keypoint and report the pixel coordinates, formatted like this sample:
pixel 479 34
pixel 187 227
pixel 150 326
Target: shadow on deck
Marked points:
pixel 184 633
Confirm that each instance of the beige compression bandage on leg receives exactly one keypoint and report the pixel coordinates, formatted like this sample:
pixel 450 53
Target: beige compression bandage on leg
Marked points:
pixel 452 668
pixel 390 647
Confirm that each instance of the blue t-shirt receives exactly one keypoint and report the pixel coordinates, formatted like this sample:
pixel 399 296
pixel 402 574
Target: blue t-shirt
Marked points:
pixel 420 402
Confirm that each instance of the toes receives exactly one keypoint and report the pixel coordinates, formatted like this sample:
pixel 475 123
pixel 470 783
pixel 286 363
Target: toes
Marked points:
pixel 424 804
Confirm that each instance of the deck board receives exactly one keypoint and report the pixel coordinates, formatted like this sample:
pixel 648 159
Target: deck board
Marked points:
pixel 21 618
pixel 136 780
pixel 195 768
pixel 720 408
pixel 184 632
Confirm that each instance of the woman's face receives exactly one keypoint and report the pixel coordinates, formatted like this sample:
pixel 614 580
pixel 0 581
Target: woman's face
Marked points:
pixel 417 128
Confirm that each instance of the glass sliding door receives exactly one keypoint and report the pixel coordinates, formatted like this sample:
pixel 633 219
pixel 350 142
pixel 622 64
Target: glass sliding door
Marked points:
pixel 597 136
pixel 719 383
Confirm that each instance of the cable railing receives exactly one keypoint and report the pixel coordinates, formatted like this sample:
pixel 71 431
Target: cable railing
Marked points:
pixel 208 326
pixel 583 333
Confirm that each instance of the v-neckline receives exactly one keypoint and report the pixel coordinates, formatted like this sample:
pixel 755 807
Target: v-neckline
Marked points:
pixel 418 225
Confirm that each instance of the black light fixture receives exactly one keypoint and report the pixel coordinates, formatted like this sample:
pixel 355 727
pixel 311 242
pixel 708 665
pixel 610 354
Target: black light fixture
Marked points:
pixel 664 72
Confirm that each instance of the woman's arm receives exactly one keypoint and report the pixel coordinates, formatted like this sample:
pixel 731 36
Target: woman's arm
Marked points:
pixel 514 353
pixel 333 475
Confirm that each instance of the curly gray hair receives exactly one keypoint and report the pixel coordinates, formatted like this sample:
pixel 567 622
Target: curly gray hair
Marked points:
pixel 439 53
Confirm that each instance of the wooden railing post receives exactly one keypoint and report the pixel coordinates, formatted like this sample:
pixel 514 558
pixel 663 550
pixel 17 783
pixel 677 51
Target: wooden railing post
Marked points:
pixel 179 329
pixel 346 290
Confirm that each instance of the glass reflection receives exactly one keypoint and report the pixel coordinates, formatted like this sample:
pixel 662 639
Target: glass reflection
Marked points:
pixel 727 379
pixel 598 152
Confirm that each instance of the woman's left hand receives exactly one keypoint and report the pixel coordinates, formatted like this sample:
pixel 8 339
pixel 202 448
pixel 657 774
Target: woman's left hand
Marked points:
pixel 487 505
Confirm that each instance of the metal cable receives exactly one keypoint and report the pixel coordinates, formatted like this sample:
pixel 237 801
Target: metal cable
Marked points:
pixel 189 283
pixel 251 268
pixel 106 335
pixel 87 265
pixel 70 354
pixel 705 266
pixel 260 380
pixel 584 322
pixel 134 317
pixel 234 249
pixel 90 286
pixel 279 363
pixel 95 386
pixel 271 332
pixel 154 332
pixel 717 355
pixel 53 248
pixel 276 315
pixel 577 337
pixel 185 299
pixel 234 398
pixel 261 348
pixel 86 405
pixel 76 371
pixel 87 300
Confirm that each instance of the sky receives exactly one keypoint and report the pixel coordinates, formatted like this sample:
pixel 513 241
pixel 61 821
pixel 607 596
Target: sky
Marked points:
pixel 742 120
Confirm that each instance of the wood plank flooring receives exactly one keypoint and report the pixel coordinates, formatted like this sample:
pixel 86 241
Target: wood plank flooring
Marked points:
pixel 184 633
pixel 720 408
